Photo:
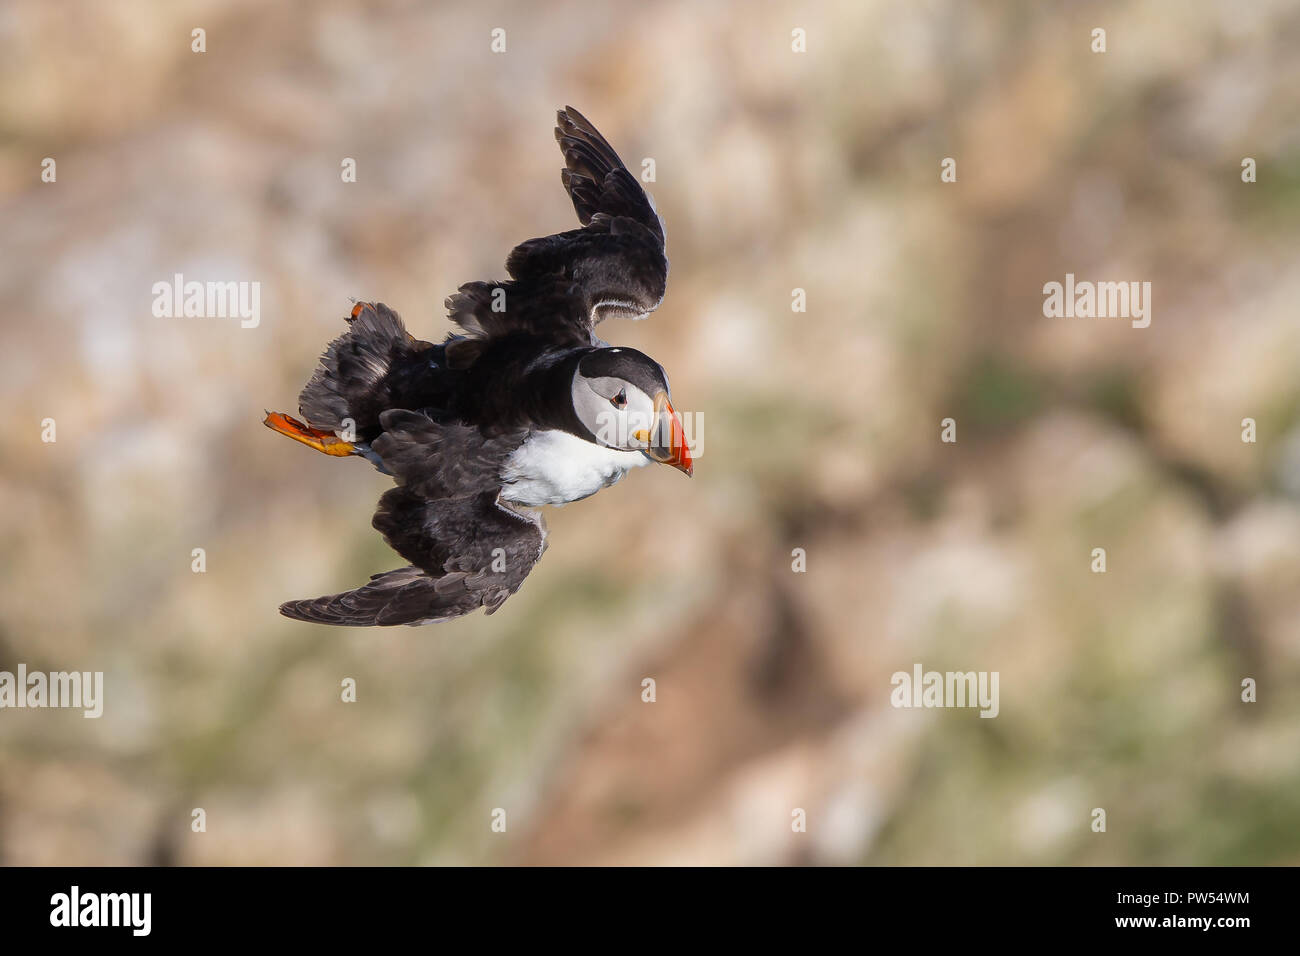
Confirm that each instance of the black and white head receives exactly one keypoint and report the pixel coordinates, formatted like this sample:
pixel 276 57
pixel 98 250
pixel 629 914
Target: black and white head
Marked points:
pixel 622 399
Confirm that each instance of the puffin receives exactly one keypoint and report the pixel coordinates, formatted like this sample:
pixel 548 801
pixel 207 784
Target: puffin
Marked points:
pixel 521 406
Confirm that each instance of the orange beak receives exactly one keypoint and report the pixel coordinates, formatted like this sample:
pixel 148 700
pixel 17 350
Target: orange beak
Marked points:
pixel 669 445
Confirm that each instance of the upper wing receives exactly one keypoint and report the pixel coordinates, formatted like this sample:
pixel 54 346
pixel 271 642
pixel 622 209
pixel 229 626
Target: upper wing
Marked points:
pixel 465 553
pixel 562 285
pixel 597 181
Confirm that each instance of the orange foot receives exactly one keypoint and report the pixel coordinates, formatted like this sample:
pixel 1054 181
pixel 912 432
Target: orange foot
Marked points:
pixel 326 443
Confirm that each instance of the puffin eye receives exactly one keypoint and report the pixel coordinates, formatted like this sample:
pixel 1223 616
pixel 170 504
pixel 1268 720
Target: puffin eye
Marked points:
pixel 619 400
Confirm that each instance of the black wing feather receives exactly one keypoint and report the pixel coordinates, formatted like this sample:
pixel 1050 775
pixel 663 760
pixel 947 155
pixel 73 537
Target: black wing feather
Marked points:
pixel 562 285
pixel 467 553
pixel 596 178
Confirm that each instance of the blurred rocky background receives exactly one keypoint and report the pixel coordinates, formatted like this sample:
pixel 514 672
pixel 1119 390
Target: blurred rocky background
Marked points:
pixel 775 170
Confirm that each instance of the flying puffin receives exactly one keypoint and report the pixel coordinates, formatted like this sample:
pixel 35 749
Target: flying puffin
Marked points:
pixel 524 407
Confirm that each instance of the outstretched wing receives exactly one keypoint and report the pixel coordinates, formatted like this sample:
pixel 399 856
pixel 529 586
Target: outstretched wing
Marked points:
pixel 467 548
pixel 562 285
pixel 597 181
pixel 465 553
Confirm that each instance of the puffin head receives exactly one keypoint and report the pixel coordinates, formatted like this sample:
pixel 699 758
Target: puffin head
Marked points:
pixel 621 397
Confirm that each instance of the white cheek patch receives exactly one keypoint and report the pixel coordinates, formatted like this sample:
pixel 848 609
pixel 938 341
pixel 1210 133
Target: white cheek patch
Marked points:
pixel 625 429
pixel 614 427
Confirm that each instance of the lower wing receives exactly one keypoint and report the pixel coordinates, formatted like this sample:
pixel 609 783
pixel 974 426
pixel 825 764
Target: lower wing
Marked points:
pixel 467 553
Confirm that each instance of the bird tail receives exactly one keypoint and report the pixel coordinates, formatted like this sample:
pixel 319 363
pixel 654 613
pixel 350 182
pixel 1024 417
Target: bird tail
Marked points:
pixel 370 368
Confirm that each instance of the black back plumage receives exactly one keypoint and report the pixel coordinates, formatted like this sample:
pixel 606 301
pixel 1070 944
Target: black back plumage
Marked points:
pixel 442 419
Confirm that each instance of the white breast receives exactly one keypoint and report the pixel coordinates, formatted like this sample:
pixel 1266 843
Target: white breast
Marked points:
pixel 554 468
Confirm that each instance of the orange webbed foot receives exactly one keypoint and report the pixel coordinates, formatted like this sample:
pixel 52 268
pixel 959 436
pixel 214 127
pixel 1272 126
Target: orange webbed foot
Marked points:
pixel 327 443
